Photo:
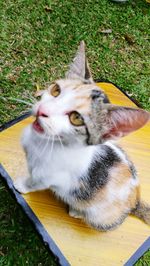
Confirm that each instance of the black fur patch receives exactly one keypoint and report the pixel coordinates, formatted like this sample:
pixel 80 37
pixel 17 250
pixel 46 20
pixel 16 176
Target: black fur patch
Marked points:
pixel 88 135
pixel 99 94
pixel 97 175
pixel 133 170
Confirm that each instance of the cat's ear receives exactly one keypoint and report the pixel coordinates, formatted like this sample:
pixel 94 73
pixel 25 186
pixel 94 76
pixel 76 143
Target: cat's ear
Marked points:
pixel 79 68
pixel 123 120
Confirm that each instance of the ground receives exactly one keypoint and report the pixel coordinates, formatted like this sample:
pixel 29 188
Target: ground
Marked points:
pixel 38 40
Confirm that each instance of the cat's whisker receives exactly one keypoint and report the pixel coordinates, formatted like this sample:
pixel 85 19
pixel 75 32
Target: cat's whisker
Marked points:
pixel 3 98
pixel 39 147
pixel 59 138
pixel 16 100
pixel 44 149
pixel 62 146
pixel 31 99
pixel 20 101
pixel 55 134
pixel 45 138
pixel 49 127
pixel 36 149
pixel 52 145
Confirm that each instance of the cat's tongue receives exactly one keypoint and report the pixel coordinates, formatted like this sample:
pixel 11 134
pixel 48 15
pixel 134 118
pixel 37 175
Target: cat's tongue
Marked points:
pixel 37 126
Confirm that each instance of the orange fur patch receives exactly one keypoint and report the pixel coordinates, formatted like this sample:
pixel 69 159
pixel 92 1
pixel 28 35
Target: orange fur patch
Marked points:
pixel 83 104
pixel 120 174
pixel 117 198
pixel 83 108
pixel 115 207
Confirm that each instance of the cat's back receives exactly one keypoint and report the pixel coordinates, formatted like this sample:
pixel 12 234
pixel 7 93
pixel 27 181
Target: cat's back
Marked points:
pixel 109 171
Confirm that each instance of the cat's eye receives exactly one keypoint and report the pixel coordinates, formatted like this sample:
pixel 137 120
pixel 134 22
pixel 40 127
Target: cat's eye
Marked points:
pixel 55 91
pixel 76 119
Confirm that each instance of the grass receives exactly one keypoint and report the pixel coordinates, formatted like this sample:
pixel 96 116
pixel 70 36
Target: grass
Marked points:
pixel 37 43
pixel 144 260
pixel 19 243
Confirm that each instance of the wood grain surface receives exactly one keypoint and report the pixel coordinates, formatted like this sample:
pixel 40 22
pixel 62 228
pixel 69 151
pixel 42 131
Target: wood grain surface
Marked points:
pixel 81 245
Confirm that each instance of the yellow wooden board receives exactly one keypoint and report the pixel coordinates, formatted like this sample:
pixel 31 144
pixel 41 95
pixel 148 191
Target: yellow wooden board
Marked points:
pixel 81 245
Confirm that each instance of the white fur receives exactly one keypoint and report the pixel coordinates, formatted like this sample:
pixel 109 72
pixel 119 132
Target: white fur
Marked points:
pixel 58 169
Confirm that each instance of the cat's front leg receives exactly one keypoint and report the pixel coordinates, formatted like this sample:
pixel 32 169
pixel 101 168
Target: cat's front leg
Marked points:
pixel 20 184
pixel 25 185
pixel 75 213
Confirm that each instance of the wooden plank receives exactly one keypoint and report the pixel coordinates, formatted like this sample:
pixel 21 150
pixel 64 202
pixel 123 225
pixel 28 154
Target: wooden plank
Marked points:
pixel 80 244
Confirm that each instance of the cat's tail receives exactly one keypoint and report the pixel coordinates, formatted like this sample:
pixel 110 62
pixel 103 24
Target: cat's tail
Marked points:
pixel 142 211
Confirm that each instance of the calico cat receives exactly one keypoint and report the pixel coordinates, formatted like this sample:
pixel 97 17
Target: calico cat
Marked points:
pixel 70 149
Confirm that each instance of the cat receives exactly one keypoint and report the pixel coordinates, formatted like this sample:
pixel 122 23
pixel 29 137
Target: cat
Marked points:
pixel 70 149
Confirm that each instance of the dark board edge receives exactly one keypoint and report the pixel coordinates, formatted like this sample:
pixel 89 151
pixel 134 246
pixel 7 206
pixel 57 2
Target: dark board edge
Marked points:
pixel 121 89
pixel 48 241
pixel 14 121
pixel 139 253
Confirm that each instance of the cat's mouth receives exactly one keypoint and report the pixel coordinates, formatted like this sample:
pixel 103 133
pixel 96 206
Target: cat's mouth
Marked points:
pixel 37 127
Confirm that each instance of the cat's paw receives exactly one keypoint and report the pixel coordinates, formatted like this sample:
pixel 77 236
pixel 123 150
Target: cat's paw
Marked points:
pixel 20 185
pixel 75 214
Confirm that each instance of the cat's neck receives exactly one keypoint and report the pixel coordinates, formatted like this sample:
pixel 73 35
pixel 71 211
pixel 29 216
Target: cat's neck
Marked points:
pixel 42 144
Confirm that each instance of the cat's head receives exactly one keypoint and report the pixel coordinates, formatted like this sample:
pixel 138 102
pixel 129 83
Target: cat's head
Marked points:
pixel 76 110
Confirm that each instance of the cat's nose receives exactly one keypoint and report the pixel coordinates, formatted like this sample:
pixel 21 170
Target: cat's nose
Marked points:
pixel 42 112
